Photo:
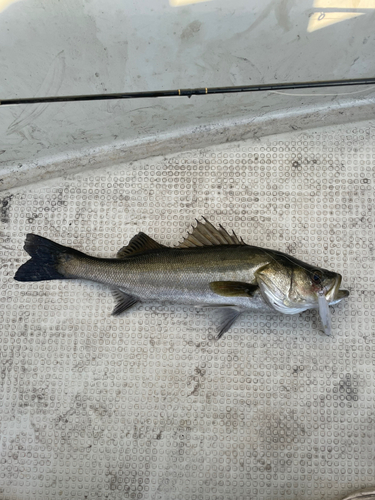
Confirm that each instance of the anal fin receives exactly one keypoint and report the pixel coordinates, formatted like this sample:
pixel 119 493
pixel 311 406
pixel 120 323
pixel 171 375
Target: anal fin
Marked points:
pixel 124 301
pixel 229 315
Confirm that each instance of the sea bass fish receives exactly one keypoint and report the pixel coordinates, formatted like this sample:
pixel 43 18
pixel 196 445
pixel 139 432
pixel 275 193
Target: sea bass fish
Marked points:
pixel 210 267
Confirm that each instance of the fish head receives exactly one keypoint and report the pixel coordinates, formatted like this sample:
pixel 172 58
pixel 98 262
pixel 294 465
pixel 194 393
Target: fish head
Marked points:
pixel 291 286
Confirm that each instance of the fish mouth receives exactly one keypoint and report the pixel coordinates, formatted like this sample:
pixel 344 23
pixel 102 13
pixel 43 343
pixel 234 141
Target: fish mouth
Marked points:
pixel 334 295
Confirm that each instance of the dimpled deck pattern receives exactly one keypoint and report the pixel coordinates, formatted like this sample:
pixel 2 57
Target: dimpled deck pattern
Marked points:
pixel 148 405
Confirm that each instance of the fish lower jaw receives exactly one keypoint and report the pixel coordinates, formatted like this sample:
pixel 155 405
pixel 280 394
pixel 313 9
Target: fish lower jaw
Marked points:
pixel 342 294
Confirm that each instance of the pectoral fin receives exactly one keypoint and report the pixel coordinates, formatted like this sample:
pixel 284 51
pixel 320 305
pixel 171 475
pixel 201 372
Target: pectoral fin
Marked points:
pixel 124 301
pixel 233 288
pixel 228 317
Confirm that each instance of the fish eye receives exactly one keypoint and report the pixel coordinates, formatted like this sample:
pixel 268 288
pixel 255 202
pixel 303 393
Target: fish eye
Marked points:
pixel 317 277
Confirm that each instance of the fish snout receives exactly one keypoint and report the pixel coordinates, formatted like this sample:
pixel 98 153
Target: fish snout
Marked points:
pixel 334 295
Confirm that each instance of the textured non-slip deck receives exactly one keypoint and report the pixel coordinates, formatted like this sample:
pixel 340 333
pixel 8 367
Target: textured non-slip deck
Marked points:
pixel 148 405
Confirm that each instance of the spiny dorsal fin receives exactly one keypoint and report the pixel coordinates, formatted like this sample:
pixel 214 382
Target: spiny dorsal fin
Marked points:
pixel 140 243
pixel 205 234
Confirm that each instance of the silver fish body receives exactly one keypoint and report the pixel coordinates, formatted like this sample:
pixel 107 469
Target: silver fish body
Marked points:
pixel 177 275
pixel 209 268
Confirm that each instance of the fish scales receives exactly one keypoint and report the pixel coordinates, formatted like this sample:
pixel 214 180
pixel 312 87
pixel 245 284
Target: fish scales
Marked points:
pixel 177 275
pixel 210 267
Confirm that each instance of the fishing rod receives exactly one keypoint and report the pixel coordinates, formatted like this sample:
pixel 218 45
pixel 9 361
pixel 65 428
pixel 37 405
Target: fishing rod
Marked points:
pixel 270 87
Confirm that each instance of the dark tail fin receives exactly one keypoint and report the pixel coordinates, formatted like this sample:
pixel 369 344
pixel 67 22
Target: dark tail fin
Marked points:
pixel 46 260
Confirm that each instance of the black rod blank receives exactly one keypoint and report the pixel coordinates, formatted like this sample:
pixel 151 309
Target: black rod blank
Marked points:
pixel 190 92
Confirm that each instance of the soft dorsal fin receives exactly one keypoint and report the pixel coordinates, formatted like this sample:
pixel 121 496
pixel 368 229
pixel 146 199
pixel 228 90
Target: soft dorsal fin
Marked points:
pixel 140 243
pixel 205 234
